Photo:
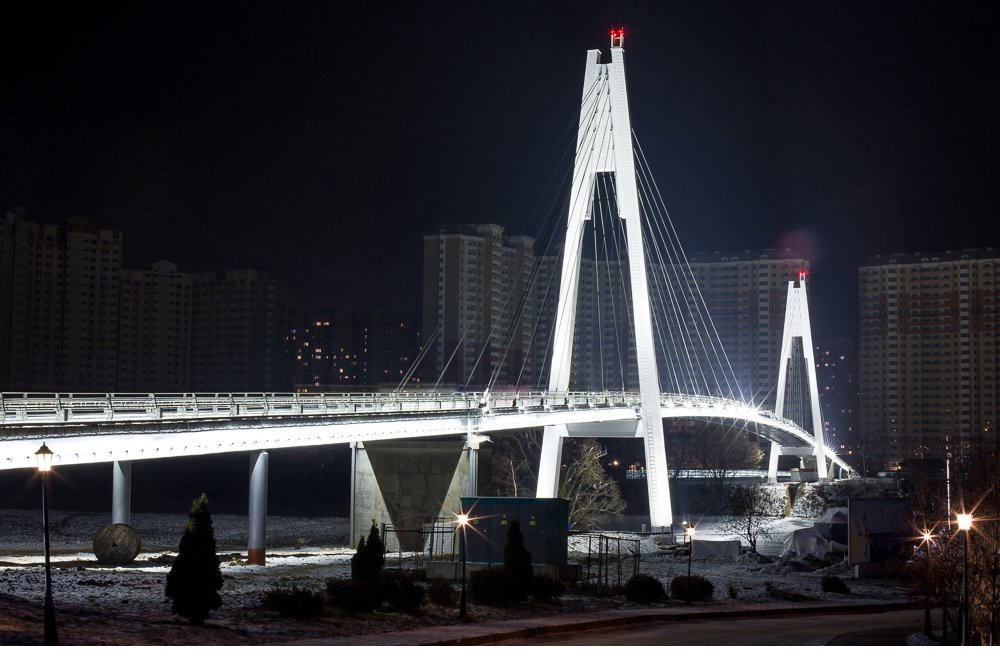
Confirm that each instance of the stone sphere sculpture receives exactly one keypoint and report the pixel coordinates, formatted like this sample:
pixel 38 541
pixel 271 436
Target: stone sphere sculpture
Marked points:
pixel 117 544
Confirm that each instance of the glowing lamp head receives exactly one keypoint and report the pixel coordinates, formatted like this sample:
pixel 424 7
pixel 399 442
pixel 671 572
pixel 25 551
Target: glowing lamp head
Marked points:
pixel 690 531
pixel 926 537
pixel 462 519
pixel 44 456
pixel 964 521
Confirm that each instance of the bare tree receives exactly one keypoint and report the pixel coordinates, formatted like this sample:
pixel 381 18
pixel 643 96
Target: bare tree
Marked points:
pixel 515 463
pixel 720 450
pixel 752 512
pixel 725 451
pixel 591 493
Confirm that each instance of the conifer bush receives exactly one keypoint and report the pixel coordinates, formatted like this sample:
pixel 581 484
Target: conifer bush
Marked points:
pixel 493 586
pixel 194 580
pixel 368 561
pixel 691 589
pixel 517 561
pixel 643 588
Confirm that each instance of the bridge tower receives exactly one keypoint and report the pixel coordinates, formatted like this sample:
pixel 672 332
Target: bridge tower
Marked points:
pixel 797 327
pixel 604 145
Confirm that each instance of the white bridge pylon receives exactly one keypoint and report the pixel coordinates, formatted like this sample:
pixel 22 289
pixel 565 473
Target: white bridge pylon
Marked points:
pixel 604 145
pixel 797 326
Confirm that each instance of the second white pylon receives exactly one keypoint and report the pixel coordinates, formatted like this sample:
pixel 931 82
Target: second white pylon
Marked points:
pixel 797 326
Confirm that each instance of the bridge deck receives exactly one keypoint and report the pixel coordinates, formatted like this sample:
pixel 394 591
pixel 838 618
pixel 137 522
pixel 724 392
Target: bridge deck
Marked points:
pixel 107 427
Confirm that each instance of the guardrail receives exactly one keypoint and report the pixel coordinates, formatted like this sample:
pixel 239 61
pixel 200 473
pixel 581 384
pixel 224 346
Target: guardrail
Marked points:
pixel 35 408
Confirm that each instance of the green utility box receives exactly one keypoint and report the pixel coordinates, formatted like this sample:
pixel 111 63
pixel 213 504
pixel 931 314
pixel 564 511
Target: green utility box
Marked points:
pixel 544 525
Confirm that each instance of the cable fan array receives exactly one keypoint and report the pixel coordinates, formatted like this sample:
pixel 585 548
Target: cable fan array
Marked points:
pixel 508 340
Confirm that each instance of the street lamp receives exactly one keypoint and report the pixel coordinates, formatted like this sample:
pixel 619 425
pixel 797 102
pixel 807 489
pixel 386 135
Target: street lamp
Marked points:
pixel 690 536
pixel 44 456
pixel 463 522
pixel 927 539
pixel 965 525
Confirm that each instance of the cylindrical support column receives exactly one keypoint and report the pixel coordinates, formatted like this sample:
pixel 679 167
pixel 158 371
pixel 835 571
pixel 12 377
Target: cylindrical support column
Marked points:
pixel 472 447
pixel 354 487
pixel 257 532
pixel 772 464
pixel 121 492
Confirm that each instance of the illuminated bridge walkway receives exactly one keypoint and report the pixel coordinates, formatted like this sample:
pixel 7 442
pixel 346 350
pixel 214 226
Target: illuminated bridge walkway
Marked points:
pixel 89 428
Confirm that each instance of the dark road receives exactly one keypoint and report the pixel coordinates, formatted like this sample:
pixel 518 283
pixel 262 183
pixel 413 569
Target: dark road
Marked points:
pixel 875 629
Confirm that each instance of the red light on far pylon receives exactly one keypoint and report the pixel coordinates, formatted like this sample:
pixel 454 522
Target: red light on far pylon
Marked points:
pixel 803 274
pixel 617 36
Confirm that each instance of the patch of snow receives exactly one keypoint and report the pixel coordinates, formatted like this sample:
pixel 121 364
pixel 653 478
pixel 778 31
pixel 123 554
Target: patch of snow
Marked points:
pixel 920 639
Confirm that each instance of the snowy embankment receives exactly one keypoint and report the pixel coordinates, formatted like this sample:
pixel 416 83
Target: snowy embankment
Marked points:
pixel 302 552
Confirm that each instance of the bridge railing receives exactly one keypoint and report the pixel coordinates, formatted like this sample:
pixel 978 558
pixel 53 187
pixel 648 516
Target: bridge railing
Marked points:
pixel 40 408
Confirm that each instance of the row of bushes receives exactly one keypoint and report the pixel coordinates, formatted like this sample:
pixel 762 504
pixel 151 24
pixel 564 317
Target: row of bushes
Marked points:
pixel 398 590
pixel 498 586
pixel 644 589
pixel 401 591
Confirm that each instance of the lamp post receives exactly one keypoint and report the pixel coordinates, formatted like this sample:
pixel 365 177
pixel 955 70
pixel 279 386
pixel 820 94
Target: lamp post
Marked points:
pixel 44 456
pixel 463 521
pixel 965 525
pixel 927 540
pixel 690 535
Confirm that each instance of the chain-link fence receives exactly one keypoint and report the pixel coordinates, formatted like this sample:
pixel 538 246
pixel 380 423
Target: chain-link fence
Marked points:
pixel 608 561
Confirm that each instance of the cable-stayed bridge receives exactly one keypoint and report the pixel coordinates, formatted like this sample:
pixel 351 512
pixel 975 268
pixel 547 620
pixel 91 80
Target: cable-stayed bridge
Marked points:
pixel 668 361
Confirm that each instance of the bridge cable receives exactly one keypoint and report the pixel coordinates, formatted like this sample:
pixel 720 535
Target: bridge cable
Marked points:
pixel 453 305
pixel 529 285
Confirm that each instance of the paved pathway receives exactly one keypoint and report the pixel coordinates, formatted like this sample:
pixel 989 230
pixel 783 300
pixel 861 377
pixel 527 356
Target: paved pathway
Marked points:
pixel 476 633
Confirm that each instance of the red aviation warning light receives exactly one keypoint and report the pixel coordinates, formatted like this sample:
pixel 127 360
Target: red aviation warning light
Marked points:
pixel 617 37
pixel 803 274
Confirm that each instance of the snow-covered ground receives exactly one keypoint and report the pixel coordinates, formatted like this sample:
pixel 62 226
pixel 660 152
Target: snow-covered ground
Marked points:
pixel 304 552
pixel 300 551
pixel 100 604
pixel 130 605
pixel 22 529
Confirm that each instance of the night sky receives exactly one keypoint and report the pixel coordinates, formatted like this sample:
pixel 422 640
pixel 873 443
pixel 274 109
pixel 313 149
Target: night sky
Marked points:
pixel 324 140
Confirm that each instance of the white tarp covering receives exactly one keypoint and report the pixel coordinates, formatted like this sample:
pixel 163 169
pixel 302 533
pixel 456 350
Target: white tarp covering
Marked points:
pixel 834 515
pixel 806 541
pixel 715 548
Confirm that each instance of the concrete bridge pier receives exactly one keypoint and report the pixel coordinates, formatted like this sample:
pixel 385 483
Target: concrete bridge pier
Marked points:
pixel 257 516
pixel 121 492
pixel 409 484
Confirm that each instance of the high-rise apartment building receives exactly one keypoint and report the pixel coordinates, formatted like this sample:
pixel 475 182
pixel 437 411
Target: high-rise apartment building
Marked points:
pixel 604 354
pixel 475 298
pixel 837 376
pixel 93 260
pixel 154 340
pixel 18 241
pixel 928 354
pixel 59 305
pixel 371 349
pixel 237 331
pixel 71 320
pixel 47 360
pixel 745 295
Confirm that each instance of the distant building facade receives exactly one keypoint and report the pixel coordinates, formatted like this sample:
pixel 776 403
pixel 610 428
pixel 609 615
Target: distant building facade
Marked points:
pixel 18 258
pixel 237 331
pixel 477 310
pixel 837 375
pixel 928 354
pixel 745 294
pixel 59 305
pixel 154 348
pixel 72 320
pixel 348 350
pixel 474 279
